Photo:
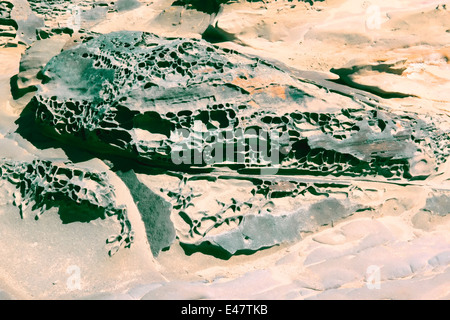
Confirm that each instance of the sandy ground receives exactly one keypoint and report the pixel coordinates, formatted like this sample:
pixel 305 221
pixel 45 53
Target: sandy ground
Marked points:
pixel 398 251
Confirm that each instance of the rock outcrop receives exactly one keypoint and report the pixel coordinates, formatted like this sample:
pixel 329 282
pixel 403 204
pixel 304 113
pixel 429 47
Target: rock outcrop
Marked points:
pixel 32 62
pixel 81 195
pixel 214 171
pixel 213 6
pixel 189 107
pixel 155 213
pixel 186 102
pixel 8 26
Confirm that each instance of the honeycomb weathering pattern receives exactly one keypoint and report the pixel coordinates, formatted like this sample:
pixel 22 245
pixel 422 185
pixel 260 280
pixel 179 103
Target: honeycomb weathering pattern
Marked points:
pixel 67 17
pixel 45 184
pixel 144 97
pixel 132 93
pixel 264 212
pixel 61 10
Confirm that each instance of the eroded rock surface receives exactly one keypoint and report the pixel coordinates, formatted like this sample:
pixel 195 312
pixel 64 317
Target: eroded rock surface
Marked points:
pixel 155 213
pixel 217 154
pixel 8 26
pixel 213 6
pixel 32 62
pixel 80 194
pixel 183 105
pixel 166 101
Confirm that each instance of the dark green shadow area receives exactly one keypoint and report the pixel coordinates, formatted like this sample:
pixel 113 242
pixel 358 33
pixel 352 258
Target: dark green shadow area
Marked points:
pixel 154 210
pixel 206 247
pixel 70 212
pixel 206 6
pixel 345 79
pixel 214 34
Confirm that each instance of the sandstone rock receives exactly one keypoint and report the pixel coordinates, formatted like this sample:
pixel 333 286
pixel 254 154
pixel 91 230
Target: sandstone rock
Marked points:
pixel 8 26
pixel 438 203
pixel 219 154
pixel 81 195
pixel 180 101
pixel 124 5
pixel 264 230
pixel 187 106
pixel 4 295
pixel 44 19
pixel 32 62
pixel 210 7
pixel 155 213
pixel 213 6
